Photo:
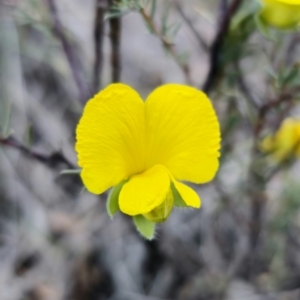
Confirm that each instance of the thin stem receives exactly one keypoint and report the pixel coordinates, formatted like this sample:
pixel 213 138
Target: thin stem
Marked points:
pixel 101 8
pixel 68 50
pixel 190 24
pixel 51 160
pixel 264 109
pixel 217 45
pixel 243 86
pixel 115 40
pixel 167 44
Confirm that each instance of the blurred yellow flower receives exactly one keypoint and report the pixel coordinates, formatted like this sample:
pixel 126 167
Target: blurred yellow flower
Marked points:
pixel 282 14
pixel 285 143
pixel 151 146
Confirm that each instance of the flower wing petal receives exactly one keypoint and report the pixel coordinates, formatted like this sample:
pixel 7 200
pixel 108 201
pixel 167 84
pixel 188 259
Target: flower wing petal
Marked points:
pixel 110 138
pixel 183 133
pixel 188 195
pixel 145 191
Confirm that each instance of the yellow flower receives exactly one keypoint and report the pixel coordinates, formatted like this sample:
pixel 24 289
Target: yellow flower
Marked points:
pixel 285 143
pixel 282 14
pixel 146 148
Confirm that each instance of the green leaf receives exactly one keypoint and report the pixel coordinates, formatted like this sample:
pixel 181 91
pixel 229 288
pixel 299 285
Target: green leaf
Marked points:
pixel 248 9
pixel 112 204
pixel 166 12
pixel 145 227
pixel 153 9
pixel 290 76
pixel 173 30
pixel 82 190
pixel 70 172
pixel 28 138
pixel 178 201
pixel 6 118
pixel 264 28
pixel 115 14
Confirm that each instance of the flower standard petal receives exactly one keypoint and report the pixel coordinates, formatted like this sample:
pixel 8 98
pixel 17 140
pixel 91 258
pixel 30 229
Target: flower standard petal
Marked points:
pixel 145 191
pixel 110 138
pixel 183 133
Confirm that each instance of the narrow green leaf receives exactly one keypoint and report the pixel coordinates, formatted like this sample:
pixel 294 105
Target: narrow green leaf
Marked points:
pixel 173 30
pixel 153 9
pixel 290 76
pixel 264 28
pixel 272 74
pixel 248 9
pixel 178 201
pixel 70 172
pixel 6 117
pixel 115 14
pixel 82 190
pixel 166 12
pixel 112 204
pixel 28 138
pixel 145 227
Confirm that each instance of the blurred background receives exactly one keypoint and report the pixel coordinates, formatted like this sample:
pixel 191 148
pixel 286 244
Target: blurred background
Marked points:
pixel 56 240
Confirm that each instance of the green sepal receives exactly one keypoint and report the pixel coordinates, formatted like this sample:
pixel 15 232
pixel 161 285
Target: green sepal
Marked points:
pixel 145 227
pixel 178 201
pixel 112 203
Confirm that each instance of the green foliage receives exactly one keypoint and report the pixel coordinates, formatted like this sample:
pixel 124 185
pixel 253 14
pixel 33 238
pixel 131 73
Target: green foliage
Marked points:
pixel 290 205
pixel 178 201
pixel 123 7
pixel 264 28
pixel 288 77
pixel 112 203
pixel 248 9
pixel 153 8
pixel 5 115
pixel 144 227
pixel 235 45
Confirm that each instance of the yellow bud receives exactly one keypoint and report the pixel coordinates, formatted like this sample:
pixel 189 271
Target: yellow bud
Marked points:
pixel 162 212
pixel 281 14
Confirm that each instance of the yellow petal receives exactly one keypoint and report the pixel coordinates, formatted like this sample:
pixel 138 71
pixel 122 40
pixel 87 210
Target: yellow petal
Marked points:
pixel 110 138
pixel 183 133
pixel 145 191
pixel 287 139
pixel 285 142
pixel 283 14
pixel 188 195
pixel 297 133
pixel 290 2
pixel 267 144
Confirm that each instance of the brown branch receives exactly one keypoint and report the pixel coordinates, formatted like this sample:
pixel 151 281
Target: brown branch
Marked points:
pixel 167 44
pixel 294 42
pixel 264 109
pixel 101 8
pixel 243 86
pixel 190 24
pixel 217 45
pixel 52 160
pixel 115 40
pixel 68 50
pixel 258 185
